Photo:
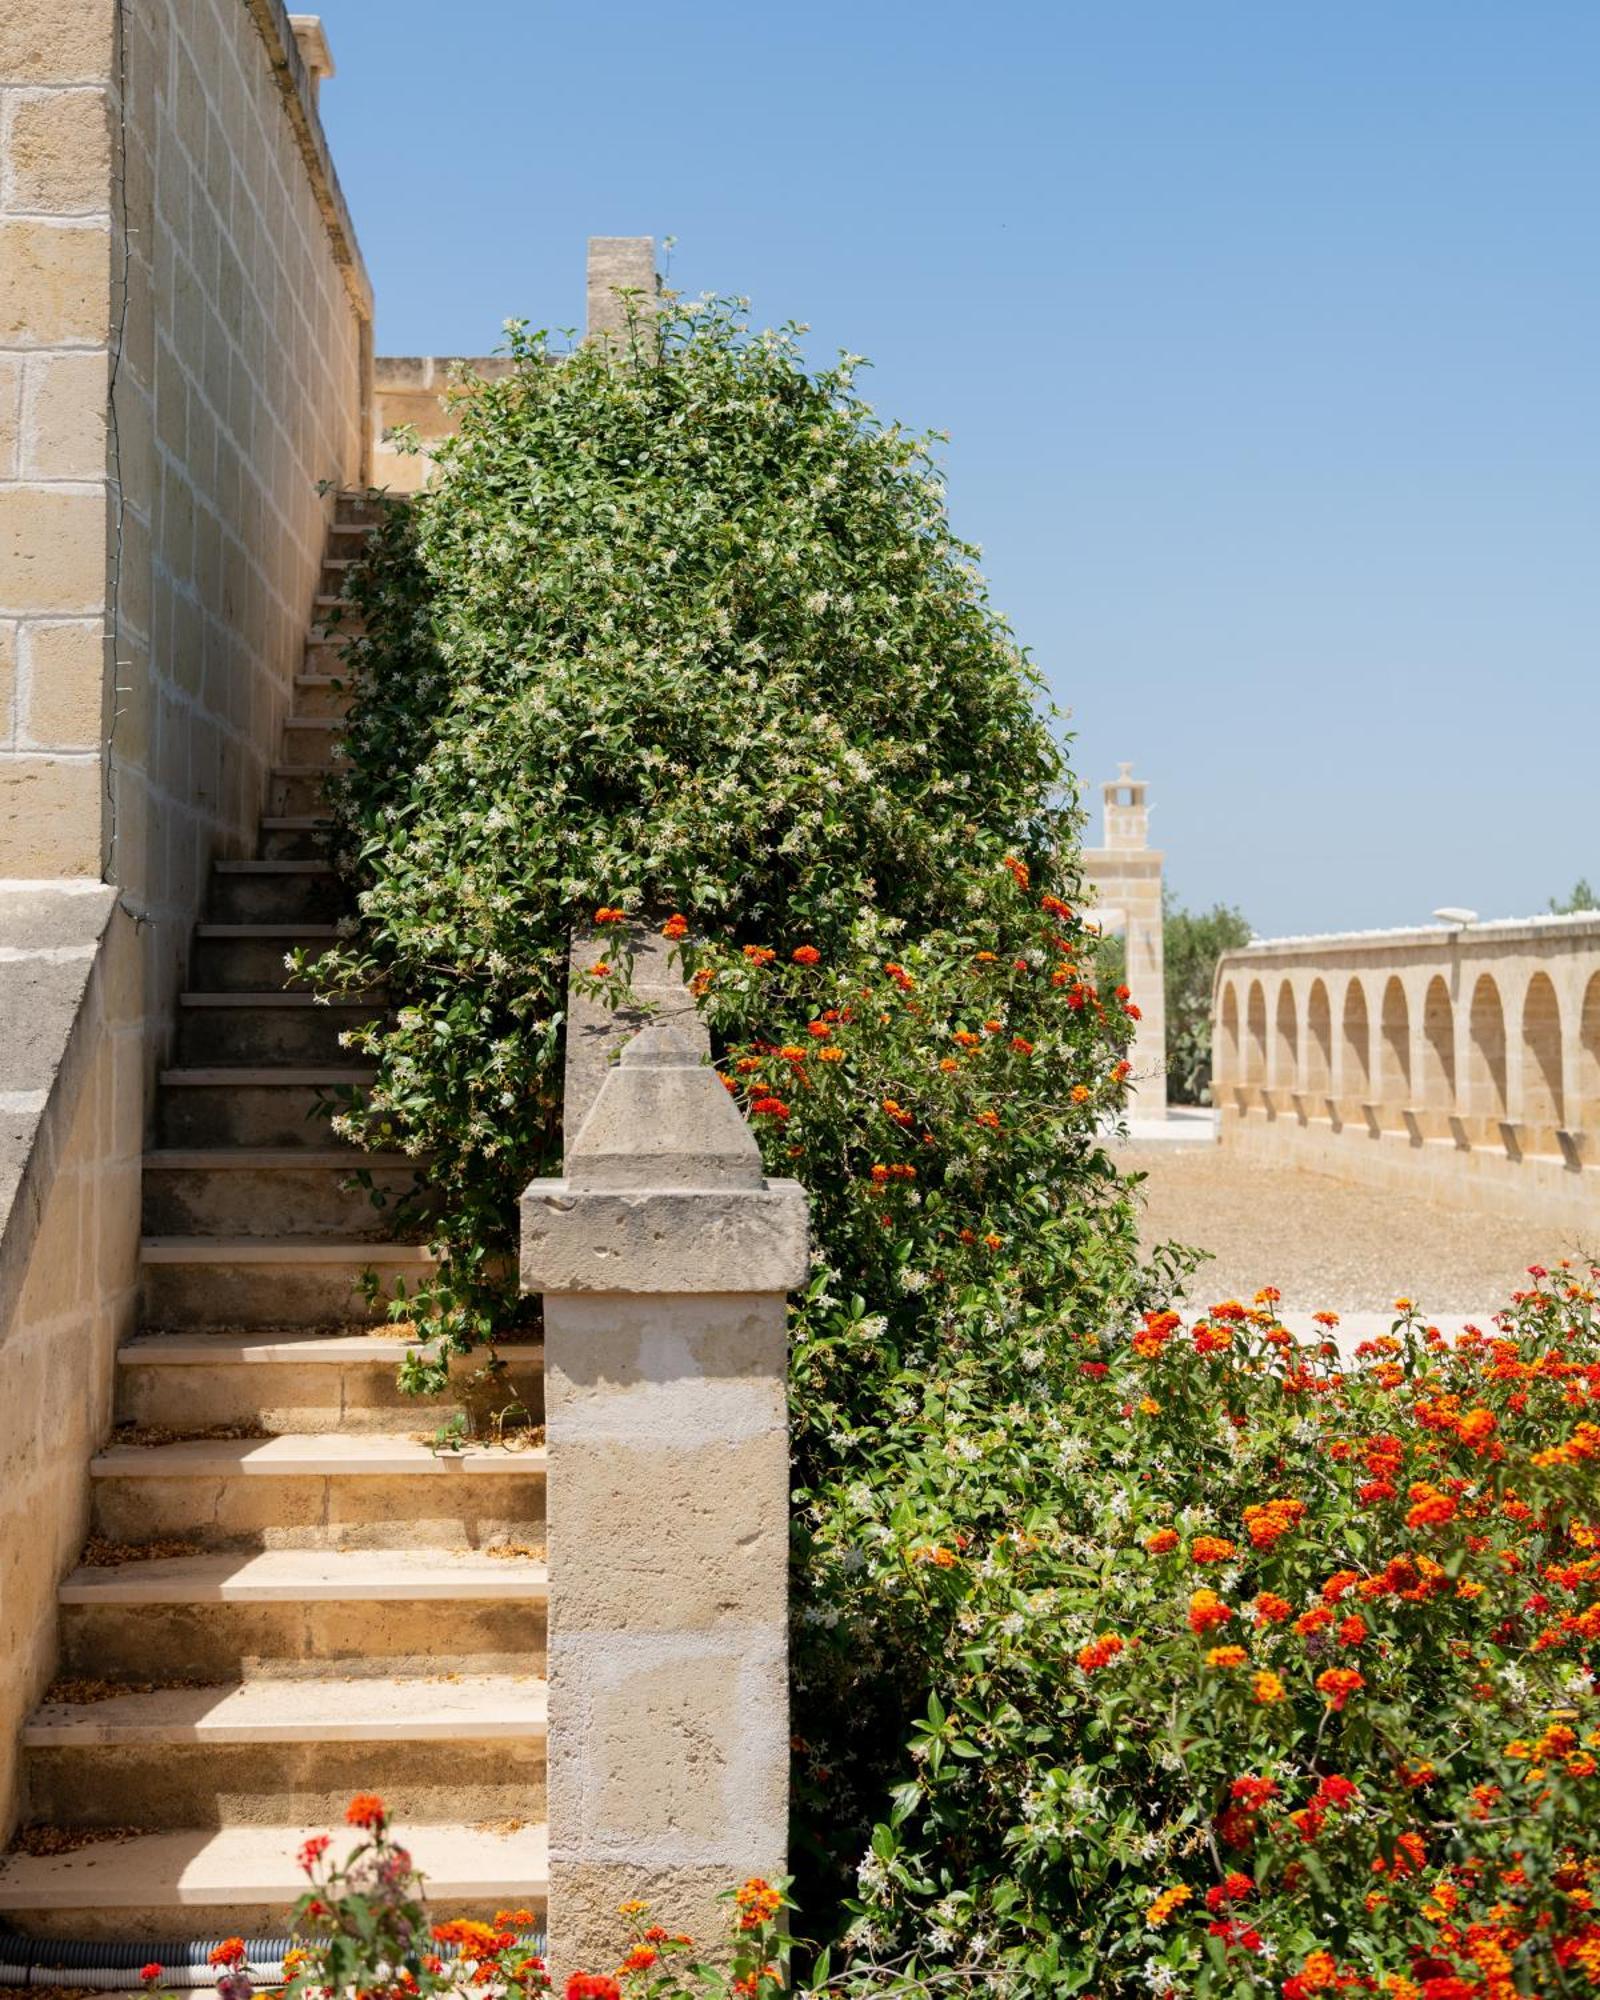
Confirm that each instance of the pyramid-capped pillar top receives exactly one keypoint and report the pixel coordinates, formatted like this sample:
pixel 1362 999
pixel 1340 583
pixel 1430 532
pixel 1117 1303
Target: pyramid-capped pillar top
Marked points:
pixel 663 1120
pixel 664 1190
pixel 619 265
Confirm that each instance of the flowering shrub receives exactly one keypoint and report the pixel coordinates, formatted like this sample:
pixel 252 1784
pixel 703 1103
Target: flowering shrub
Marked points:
pixel 1249 1670
pixel 363 1932
pixel 693 635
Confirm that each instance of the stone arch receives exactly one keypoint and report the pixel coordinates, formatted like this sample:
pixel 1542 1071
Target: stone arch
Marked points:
pixel 1227 1056
pixel 1255 1035
pixel 1319 1041
pixel 1285 1041
pixel 1355 1037
pixel 1589 1056
pixel 1394 1045
pixel 1438 1080
pixel 1486 1050
pixel 1543 1099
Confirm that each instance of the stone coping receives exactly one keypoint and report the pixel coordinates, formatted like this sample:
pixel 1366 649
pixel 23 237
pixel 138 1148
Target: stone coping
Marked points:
pixel 298 90
pixel 1582 926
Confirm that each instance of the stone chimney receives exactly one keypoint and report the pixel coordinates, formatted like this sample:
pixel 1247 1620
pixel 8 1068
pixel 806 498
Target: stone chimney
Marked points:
pixel 619 265
pixel 312 43
pixel 1127 815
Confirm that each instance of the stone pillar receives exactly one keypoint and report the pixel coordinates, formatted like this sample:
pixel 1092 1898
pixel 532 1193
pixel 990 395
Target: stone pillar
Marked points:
pixel 619 264
pixel 665 1258
pixel 1126 874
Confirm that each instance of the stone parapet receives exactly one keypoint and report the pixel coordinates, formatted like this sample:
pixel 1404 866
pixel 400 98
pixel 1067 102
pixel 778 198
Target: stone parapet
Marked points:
pixel 665 1257
pixel 1461 1060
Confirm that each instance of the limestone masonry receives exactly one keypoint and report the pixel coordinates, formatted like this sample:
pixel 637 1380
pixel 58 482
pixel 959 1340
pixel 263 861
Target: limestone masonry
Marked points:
pixel 1462 1060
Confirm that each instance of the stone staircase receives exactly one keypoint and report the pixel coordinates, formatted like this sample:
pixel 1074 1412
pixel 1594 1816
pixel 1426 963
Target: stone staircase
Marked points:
pixel 290 1595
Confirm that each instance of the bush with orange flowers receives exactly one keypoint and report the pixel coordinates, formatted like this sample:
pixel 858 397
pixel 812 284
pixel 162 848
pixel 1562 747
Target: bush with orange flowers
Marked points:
pixel 1360 1750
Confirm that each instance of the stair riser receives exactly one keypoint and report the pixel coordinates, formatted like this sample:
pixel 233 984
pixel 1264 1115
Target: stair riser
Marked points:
pixel 270 1201
pixel 451 1512
pixel 354 1396
pixel 247 965
pixel 295 843
pixel 226 1642
pixel 256 1114
pixel 213 1920
pixel 188 1297
pixel 315 747
pixel 161 1787
pixel 277 899
pixel 304 1036
pixel 293 793
pixel 328 701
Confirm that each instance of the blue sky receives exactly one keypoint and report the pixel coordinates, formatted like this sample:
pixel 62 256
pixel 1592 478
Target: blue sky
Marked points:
pixel 1265 332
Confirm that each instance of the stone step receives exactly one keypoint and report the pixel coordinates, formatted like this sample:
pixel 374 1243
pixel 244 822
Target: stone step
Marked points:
pixel 297 837
pixel 319 693
pixel 246 1880
pixel 310 742
pixel 294 789
pixel 276 891
pixel 242 1282
pixel 316 1490
pixel 249 958
pixel 248 1030
pixel 255 1107
pixel 291 1613
pixel 283 1752
pixel 273 1190
pixel 311 1382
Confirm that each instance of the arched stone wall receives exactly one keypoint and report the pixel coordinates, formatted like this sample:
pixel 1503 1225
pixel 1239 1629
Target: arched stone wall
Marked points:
pixel 1486 1051
pixel 1588 1084
pixel 1355 1043
pixel 1543 1095
pixel 1317 1071
pixel 1255 1035
pixel 1467 1055
pixel 1226 1040
pixel 1284 1071
pixel 1394 1046
pixel 1436 1084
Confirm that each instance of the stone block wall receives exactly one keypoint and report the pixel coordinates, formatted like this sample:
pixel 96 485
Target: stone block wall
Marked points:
pixel 55 326
pixel 71 1076
pixel 185 372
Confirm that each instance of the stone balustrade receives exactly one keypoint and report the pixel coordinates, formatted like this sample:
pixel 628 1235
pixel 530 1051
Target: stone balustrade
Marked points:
pixel 1463 1059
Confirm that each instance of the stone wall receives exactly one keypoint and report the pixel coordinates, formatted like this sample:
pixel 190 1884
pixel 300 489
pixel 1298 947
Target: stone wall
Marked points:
pixel 70 1095
pixel 1460 1062
pixel 174 253
pixel 184 378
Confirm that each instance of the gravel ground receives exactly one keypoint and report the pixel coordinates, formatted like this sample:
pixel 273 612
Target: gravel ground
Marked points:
pixel 1327 1244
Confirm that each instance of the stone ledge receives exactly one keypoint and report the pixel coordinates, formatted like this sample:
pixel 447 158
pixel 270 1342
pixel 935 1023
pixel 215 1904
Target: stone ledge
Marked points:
pixel 664 1239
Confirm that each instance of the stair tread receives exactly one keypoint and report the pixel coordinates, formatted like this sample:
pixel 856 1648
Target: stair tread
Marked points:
pixel 241 1864
pixel 242 1349
pixel 352 1710
pixel 220 1159
pixel 308 1454
pixel 228 1350
pixel 278 1250
pixel 290 1576
pixel 209 1074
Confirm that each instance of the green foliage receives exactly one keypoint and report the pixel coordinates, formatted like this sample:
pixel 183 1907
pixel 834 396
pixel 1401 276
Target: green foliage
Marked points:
pixel 680 629
pixel 1582 898
pixel 1192 942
